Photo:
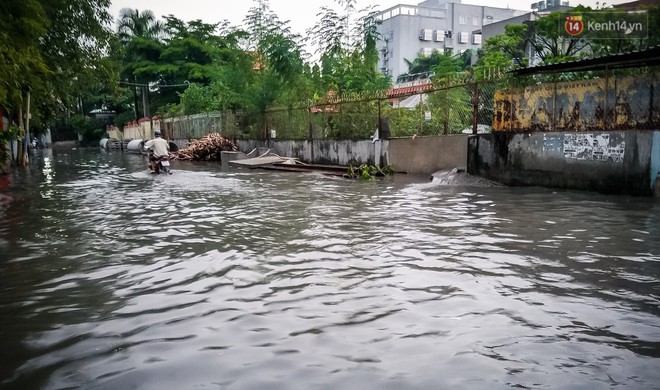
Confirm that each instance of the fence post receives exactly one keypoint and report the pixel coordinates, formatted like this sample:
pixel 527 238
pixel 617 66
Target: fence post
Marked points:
pixel 310 124
pixel 651 97
pixel 607 93
pixel 475 107
pixel 380 120
pixel 554 103
pixel 446 111
pixel 510 109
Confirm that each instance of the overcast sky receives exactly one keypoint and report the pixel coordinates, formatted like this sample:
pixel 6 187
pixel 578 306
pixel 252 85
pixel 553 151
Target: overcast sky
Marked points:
pixel 300 13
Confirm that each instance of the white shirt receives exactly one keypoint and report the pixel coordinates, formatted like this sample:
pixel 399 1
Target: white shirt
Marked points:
pixel 159 146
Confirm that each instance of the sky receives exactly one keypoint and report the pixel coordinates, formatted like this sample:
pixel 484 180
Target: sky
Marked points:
pixel 301 14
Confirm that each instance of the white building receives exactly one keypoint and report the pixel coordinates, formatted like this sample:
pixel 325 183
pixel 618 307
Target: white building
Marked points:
pixel 442 25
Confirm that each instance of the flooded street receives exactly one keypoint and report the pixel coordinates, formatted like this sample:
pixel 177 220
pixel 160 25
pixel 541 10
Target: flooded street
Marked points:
pixel 112 278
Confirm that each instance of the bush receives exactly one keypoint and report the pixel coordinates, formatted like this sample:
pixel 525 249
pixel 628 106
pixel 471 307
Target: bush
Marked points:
pixel 91 130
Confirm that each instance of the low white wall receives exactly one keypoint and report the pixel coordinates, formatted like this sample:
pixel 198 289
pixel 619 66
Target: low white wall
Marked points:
pixel 420 155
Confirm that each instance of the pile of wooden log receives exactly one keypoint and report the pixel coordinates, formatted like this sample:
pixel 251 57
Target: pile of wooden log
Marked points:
pixel 208 148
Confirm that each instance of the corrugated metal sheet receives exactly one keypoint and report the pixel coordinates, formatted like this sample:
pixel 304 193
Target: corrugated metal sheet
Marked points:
pixel 599 104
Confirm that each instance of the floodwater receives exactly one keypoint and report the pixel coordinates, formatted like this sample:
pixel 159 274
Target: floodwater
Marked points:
pixel 112 278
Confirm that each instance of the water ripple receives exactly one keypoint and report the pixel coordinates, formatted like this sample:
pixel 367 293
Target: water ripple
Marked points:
pixel 115 278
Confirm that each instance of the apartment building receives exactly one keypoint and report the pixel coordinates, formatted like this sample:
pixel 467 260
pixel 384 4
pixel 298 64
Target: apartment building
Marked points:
pixel 539 10
pixel 447 26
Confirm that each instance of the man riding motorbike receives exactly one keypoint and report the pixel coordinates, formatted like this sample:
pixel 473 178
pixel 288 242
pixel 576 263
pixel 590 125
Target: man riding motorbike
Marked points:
pixel 158 150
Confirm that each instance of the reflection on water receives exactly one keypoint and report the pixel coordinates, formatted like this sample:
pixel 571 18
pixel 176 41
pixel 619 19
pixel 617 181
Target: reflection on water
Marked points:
pixel 115 278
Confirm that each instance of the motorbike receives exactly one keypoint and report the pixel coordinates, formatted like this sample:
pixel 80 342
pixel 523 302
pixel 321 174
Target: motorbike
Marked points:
pixel 158 164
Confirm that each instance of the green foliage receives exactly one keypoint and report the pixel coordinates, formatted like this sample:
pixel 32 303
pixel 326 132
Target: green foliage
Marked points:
pixel 347 49
pixel 139 35
pixel 91 130
pixel 74 47
pixel 7 135
pixel 197 99
pixel 421 66
pixel 439 64
pixel 24 22
pixel 277 63
pixel 549 45
pixel 451 109
pixel 134 23
pixel 10 133
pixel 368 172
pixel 55 49
pixel 123 118
pixel 508 50
pixel 447 66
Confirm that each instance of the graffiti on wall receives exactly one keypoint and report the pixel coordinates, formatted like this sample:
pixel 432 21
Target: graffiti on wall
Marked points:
pixel 596 147
pixel 623 102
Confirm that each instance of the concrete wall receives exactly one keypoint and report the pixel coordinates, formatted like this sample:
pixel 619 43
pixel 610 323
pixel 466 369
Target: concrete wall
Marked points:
pixel 142 130
pixel 426 155
pixel 330 152
pixel 419 155
pixel 655 163
pixel 610 162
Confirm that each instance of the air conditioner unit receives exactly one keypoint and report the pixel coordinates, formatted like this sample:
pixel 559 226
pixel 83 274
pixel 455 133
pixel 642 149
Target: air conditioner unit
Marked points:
pixel 447 34
pixel 426 35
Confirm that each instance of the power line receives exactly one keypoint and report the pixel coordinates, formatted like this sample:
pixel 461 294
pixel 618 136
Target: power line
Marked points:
pixel 185 84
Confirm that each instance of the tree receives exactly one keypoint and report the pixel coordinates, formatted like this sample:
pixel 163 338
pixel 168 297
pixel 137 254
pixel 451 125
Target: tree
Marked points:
pixel 277 60
pixel 542 35
pixel 434 64
pixel 75 47
pixel 197 99
pixel 51 50
pixel 510 45
pixel 346 43
pixel 140 35
pixel 21 62
pixel 133 24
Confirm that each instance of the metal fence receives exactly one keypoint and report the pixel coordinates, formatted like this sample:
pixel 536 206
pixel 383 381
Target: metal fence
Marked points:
pixel 464 107
pixel 199 125
pixel 569 101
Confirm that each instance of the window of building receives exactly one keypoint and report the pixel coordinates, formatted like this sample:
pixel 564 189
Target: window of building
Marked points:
pixel 461 19
pixel 408 11
pixel 476 39
pixel 426 51
pixel 439 35
pixel 463 37
pixel 475 21
pixel 433 13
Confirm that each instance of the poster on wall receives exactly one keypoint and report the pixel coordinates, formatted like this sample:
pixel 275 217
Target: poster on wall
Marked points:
pixel 596 147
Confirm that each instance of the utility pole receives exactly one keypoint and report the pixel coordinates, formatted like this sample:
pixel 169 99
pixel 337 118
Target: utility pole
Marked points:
pixel 27 124
pixel 135 97
pixel 145 101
